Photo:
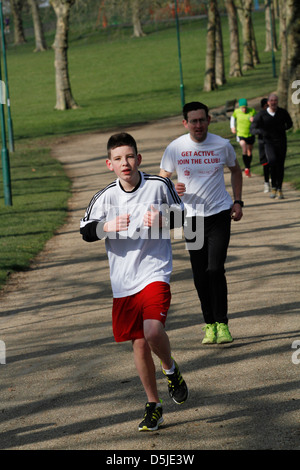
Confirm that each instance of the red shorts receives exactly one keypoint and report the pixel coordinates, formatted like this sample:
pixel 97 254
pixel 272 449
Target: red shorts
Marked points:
pixel 129 313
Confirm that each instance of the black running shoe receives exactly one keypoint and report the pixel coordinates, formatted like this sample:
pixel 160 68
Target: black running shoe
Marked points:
pixel 152 418
pixel 178 390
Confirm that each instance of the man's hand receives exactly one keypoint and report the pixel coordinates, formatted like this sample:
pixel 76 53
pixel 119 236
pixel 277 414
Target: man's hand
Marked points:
pixel 180 189
pixel 236 212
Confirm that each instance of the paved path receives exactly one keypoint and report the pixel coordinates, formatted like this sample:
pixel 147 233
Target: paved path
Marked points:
pixel 68 385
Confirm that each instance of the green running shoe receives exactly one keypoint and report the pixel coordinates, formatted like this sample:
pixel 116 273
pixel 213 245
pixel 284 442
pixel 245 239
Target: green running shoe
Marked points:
pixel 210 333
pixel 223 334
pixel 152 418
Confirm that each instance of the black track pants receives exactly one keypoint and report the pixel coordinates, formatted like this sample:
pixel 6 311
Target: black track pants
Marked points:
pixel 208 266
pixel 276 154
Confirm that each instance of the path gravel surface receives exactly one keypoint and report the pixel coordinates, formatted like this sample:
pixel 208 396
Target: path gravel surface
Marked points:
pixel 67 385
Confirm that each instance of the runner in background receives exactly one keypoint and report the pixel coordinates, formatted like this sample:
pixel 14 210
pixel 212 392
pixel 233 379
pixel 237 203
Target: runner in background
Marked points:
pixel 240 123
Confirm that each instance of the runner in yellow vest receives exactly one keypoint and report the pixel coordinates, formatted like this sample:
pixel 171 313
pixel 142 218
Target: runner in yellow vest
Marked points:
pixel 240 123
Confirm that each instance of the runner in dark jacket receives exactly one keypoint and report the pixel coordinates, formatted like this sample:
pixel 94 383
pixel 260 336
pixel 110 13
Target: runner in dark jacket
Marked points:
pixel 272 124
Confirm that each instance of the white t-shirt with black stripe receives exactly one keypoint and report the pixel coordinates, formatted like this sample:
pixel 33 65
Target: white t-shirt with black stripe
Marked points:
pixel 139 255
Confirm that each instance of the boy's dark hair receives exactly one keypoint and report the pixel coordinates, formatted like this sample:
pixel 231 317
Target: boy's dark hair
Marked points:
pixel 120 140
pixel 193 106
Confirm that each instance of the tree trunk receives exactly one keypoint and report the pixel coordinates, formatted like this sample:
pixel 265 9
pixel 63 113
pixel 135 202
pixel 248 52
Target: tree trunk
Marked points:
pixel 40 42
pixel 136 22
pixel 244 13
pixel 220 67
pixel 271 39
pixel 276 8
pixel 253 43
pixel 235 64
pixel 293 44
pixel 64 98
pixel 282 85
pixel 16 9
pixel 210 63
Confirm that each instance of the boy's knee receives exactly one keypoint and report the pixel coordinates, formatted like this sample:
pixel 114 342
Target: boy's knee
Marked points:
pixel 152 330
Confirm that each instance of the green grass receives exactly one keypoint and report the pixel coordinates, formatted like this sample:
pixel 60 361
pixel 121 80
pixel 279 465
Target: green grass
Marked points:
pixel 117 81
pixel 40 194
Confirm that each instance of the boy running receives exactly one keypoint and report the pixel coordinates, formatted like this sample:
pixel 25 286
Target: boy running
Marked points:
pixel 132 214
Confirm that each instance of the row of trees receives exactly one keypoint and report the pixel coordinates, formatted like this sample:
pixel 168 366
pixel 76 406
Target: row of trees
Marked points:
pixel 215 72
pixel 16 7
pixel 240 11
pixel 239 14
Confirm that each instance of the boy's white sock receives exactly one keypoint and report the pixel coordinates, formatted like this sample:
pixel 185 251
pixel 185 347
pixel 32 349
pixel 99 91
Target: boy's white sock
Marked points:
pixel 170 371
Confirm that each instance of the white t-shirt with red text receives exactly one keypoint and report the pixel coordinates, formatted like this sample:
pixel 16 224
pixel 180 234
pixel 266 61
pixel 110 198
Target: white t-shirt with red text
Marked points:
pixel 200 166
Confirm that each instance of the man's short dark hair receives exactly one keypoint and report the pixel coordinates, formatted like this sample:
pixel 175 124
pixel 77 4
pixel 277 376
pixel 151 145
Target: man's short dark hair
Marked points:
pixel 120 140
pixel 193 106
pixel 263 102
